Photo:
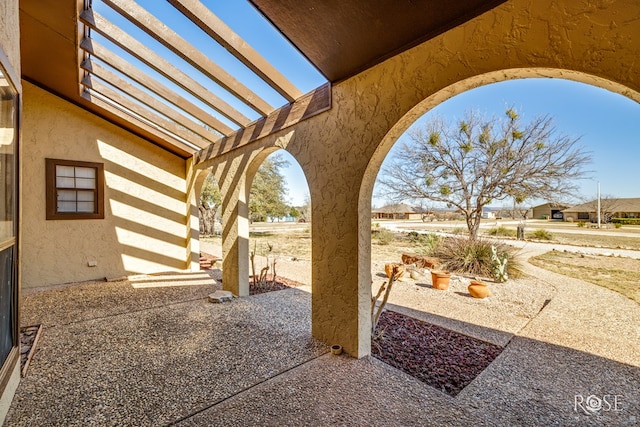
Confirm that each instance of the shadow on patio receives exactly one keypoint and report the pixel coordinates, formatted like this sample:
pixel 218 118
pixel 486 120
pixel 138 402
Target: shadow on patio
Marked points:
pixel 112 354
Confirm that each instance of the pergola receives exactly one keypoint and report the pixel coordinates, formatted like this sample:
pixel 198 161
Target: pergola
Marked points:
pixel 339 38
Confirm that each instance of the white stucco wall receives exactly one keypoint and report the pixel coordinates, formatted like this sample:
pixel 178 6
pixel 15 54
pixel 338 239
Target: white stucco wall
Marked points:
pixel 145 226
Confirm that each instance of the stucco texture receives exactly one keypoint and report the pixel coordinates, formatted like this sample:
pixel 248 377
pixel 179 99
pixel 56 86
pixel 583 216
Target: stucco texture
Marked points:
pixel 10 32
pixel 146 226
pixel 340 151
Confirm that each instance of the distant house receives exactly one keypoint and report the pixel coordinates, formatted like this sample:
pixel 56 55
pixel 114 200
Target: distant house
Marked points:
pixel 612 208
pixel 397 211
pixel 486 214
pixel 548 211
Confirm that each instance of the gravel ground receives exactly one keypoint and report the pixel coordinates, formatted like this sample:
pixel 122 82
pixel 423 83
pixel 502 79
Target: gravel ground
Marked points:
pixel 446 360
pixel 154 365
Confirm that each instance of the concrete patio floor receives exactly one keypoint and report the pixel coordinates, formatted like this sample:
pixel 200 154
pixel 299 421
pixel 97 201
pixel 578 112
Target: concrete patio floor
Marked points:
pixel 155 352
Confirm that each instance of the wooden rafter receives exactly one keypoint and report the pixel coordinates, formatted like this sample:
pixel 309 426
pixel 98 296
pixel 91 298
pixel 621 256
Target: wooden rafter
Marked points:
pixel 171 127
pixel 150 101
pixel 186 149
pixel 96 49
pixel 198 13
pixel 161 65
pixel 178 45
pixel 307 106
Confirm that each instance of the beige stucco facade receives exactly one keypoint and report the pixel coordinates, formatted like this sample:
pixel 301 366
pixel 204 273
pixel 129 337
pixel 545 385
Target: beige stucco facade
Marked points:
pixel 340 151
pixel 146 225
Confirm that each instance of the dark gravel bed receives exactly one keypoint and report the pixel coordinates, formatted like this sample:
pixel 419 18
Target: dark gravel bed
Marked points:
pixel 446 360
pixel 270 286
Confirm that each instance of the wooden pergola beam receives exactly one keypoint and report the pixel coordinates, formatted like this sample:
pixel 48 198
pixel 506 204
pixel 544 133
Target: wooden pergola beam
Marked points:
pixel 186 149
pixel 171 127
pixel 129 44
pixel 192 55
pixel 96 49
pixel 307 106
pixel 208 22
pixel 151 102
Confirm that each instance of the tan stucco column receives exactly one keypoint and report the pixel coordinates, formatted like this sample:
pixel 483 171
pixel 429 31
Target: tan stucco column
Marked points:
pixel 235 226
pixel 194 180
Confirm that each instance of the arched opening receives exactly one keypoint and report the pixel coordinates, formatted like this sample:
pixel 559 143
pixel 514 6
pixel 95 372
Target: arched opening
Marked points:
pixel 601 117
pixel 279 210
pixel 210 222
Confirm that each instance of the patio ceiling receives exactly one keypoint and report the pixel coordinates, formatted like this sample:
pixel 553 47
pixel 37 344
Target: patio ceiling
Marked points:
pixel 133 69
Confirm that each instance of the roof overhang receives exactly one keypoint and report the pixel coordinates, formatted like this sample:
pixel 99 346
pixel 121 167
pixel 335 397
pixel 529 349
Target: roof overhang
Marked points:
pixel 342 38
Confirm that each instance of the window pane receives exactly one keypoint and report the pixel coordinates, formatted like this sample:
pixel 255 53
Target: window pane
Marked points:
pixel 64 171
pixel 66 195
pixel 85 196
pixel 66 206
pixel 85 183
pixel 63 182
pixel 8 113
pixel 85 172
pixel 86 206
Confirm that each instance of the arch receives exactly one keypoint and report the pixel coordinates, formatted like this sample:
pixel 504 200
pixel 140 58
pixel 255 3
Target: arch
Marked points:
pixel 411 116
pixel 341 150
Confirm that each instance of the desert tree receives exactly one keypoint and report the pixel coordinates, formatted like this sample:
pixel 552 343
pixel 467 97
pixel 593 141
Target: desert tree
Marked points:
pixel 475 161
pixel 210 201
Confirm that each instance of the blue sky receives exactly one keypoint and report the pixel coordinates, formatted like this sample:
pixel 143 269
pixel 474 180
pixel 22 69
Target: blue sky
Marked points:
pixel 607 122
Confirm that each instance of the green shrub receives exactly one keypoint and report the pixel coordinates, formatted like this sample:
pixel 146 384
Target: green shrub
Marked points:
pixel 626 221
pixel 581 224
pixel 541 234
pixel 502 231
pixel 473 257
pixel 384 236
pixel 425 243
pixel 617 225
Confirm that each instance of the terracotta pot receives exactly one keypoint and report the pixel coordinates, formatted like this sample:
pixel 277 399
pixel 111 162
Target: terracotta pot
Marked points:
pixel 440 279
pixel 479 289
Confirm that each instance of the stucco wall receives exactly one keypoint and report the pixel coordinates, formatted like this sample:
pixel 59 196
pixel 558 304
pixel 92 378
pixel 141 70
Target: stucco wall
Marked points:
pixel 145 227
pixel 341 151
pixel 10 32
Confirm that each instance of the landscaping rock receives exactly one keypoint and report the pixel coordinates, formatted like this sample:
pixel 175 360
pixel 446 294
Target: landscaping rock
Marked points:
pixel 420 261
pixel 220 296
pixel 388 268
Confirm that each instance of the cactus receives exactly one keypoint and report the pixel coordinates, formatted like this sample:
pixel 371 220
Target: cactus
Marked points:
pixel 499 267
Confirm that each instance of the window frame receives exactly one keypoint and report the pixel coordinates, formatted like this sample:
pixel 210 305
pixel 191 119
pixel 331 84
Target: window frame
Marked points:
pixel 12 360
pixel 52 190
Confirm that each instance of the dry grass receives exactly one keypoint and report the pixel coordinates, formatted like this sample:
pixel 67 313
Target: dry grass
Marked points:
pixel 298 244
pixel 618 274
pixel 287 244
pixel 586 239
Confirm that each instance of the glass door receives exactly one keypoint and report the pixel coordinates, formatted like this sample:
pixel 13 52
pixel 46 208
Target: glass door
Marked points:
pixel 9 329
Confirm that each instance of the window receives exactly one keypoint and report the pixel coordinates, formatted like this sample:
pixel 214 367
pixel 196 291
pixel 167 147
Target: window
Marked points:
pixel 74 190
pixel 583 215
pixel 9 135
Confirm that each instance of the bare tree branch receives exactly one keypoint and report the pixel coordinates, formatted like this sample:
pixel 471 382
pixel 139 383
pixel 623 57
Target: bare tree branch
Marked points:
pixel 475 161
